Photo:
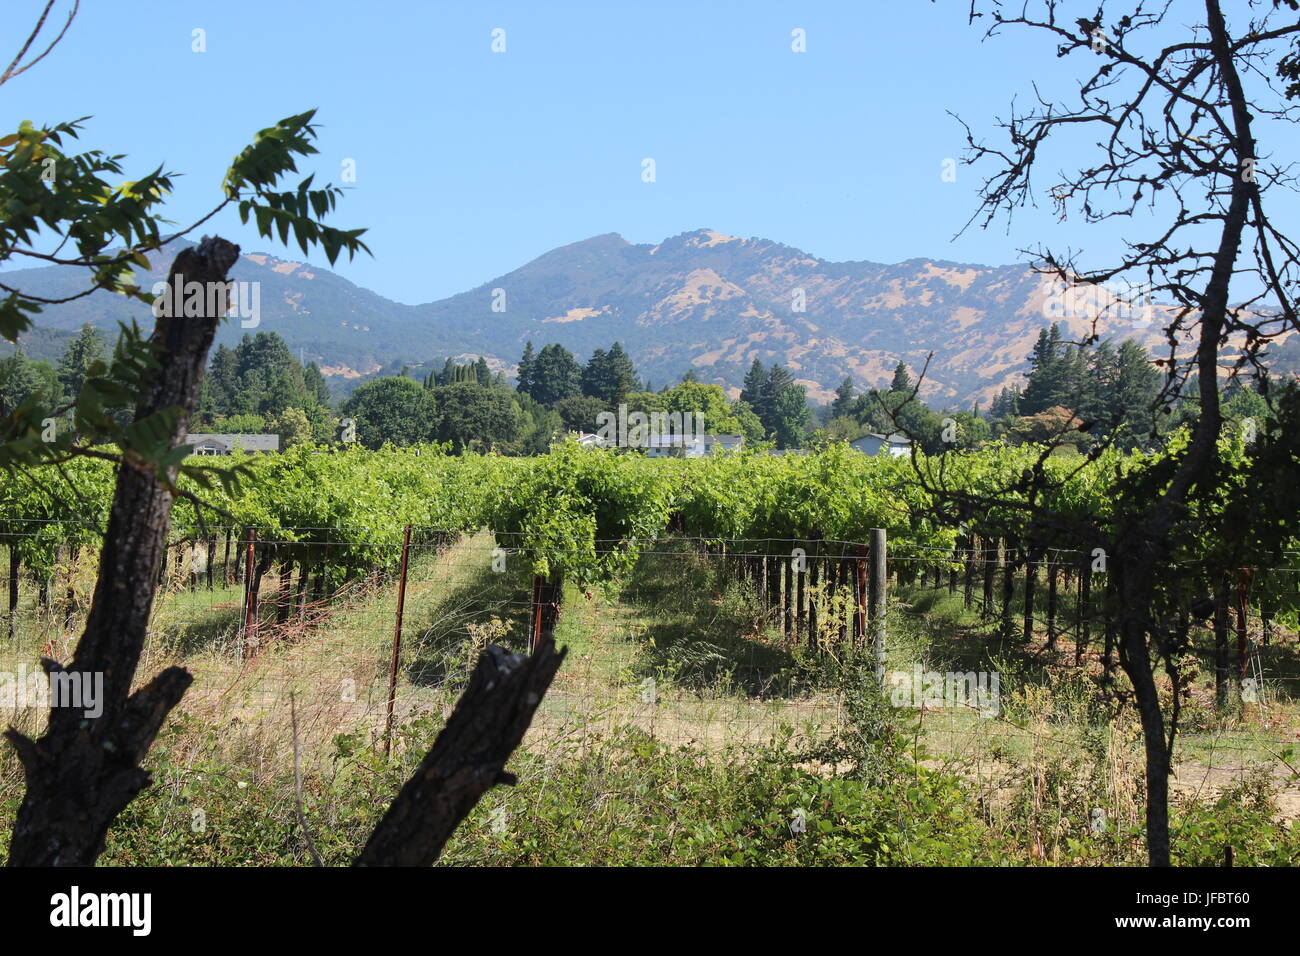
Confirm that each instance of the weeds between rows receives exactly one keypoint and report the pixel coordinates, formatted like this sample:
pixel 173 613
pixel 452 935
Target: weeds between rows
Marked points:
pixel 683 730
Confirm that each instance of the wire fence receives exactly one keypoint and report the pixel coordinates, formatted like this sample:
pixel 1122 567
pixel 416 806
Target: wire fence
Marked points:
pixel 701 644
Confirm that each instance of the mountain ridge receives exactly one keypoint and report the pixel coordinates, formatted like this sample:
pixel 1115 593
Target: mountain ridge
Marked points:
pixel 700 299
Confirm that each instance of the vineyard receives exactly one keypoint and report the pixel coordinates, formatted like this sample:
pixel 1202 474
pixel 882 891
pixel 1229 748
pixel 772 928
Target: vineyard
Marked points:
pixel 735 610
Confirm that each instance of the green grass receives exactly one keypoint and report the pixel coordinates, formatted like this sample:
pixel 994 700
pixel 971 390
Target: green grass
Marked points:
pixel 706 765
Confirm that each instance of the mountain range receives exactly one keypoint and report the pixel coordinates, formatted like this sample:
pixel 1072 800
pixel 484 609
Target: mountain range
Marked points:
pixel 700 300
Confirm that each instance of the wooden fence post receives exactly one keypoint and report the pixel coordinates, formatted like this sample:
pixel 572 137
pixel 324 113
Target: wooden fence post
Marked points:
pixel 1051 602
pixel 800 599
pixel 787 598
pixel 988 567
pixel 1243 579
pixel 1221 666
pixel 397 641
pixel 1008 587
pixel 250 594
pixel 859 571
pixel 815 578
pixel 15 574
pixel 1083 621
pixel 1031 585
pixel 225 562
pixel 878 598
pixel 968 585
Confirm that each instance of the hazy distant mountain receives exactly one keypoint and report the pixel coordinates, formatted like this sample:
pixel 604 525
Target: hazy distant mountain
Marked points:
pixel 699 300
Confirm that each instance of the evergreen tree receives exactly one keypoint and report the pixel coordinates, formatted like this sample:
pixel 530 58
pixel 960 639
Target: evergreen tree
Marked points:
pixel 556 375
pixel 1045 385
pixel 753 391
pixel 82 352
pixel 448 374
pixel 261 377
pixel 1007 404
pixel 527 362
pixel 1137 383
pixel 623 376
pixel 21 379
pixel 609 376
pixel 789 415
pixel 902 381
pixel 317 387
pixel 594 384
pixel 843 399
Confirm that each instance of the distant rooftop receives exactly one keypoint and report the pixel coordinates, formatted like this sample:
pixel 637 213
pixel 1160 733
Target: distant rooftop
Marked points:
pixel 224 444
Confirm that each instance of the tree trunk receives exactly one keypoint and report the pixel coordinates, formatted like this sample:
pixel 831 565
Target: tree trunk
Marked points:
pixel 467 759
pixel 84 771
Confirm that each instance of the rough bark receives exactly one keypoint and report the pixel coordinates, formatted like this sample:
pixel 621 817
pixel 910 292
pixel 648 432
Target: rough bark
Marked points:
pixel 84 771
pixel 466 760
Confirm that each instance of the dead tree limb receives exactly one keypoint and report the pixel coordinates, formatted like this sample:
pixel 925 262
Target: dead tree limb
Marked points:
pixel 85 770
pixel 467 759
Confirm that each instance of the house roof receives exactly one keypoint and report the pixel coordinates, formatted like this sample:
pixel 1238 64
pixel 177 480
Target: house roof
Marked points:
pixel 245 442
pixel 894 439
pixel 688 440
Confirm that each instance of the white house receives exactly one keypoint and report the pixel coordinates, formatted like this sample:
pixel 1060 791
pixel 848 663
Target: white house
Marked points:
pixel 691 446
pixel 229 444
pixel 871 444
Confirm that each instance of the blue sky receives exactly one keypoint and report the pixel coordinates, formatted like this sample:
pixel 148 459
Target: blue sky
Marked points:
pixel 469 162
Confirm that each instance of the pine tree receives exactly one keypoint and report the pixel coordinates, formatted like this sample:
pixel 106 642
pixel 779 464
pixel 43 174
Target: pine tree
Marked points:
pixel 843 398
pixel 1045 382
pixel 20 379
pixel 526 364
pixel 556 375
pixel 622 375
pixel 902 381
pixel 1007 404
pixel 595 382
pixel 777 406
pixel 82 352
pixel 448 374
pixel 754 388
pixel 1137 383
